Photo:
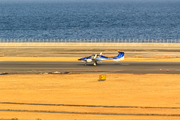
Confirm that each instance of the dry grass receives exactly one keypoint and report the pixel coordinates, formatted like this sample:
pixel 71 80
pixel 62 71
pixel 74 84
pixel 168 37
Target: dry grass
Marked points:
pixel 21 56
pixel 84 89
pixel 167 56
pixel 138 56
pixel 1 55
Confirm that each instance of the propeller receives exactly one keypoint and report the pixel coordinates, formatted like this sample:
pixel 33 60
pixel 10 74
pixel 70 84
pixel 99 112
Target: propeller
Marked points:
pixel 95 56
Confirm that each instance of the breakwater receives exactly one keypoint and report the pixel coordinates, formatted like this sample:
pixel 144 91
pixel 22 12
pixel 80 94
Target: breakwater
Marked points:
pixel 90 44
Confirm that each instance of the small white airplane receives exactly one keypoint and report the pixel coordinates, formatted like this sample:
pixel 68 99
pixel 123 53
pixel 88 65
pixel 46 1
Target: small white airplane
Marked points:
pixel 95 58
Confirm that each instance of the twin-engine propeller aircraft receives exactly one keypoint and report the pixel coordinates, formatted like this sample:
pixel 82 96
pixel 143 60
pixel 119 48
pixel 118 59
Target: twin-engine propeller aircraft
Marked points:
pixel 94 58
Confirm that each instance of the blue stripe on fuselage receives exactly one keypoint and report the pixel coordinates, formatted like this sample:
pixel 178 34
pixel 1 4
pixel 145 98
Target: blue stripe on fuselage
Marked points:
pixel 85 58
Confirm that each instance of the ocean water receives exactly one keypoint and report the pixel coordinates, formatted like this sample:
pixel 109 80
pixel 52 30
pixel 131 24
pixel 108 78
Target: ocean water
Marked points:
pixel 90 20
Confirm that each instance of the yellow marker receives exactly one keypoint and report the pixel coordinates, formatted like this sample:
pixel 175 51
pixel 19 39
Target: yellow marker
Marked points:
pixel 102 77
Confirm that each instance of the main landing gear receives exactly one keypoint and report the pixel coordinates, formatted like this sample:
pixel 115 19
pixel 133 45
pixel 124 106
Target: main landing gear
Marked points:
pixel 95 64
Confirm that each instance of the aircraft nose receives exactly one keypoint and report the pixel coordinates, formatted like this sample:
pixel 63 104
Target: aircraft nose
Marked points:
pixel 81 59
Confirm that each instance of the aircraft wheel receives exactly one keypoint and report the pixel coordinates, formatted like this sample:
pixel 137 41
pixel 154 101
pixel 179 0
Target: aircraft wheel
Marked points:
pixel 94 64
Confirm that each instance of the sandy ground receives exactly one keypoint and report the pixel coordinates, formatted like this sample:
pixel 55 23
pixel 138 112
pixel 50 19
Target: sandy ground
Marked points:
pixel 146 52
pixel 67 97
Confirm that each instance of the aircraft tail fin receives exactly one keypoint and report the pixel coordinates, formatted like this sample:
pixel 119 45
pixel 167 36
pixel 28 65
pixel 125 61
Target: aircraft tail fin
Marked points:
pixel 120 56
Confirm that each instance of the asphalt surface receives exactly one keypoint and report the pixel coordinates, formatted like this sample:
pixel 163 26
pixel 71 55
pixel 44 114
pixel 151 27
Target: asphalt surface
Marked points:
pixel 34 67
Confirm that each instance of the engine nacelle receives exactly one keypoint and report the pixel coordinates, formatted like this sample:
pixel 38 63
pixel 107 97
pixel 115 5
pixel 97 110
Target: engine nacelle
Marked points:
pixel 89 60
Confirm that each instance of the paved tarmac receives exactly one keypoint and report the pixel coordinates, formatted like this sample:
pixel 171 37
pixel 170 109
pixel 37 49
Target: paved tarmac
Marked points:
pixel 34 67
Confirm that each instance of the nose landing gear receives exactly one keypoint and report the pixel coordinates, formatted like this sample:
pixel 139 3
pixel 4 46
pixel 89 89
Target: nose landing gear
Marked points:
pixel 85 63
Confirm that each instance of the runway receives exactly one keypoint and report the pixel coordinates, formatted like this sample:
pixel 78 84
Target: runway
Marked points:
pixel 34 67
